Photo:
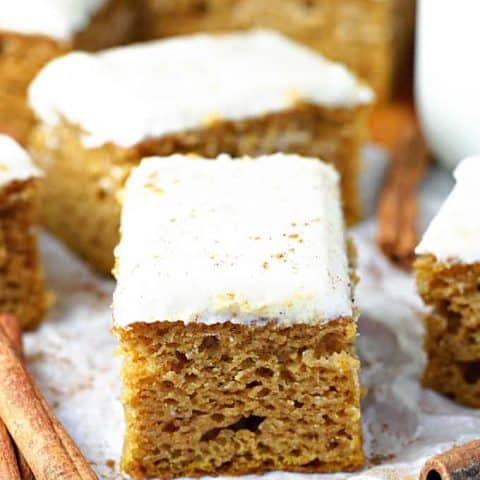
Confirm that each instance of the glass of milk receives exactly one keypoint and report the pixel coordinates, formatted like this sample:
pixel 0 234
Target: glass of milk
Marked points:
pixel 447 77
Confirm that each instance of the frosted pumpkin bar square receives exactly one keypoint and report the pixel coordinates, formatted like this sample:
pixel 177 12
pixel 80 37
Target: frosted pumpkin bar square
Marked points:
pixel 448 279
pixel 22 291
pixel 32 32
pixel 243 94
pixel 235 317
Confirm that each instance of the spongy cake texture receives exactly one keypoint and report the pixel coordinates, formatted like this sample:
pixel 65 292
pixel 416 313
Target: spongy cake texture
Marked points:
pixel 452 340
pixel 232 399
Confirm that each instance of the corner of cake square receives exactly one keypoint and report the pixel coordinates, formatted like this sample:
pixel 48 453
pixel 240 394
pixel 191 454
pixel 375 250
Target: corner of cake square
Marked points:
pixel 235 316
pixel 22 291
pixel 448 279
pixel 33 32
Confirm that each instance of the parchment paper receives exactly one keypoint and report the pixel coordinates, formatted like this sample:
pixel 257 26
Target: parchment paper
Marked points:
pixel 73 357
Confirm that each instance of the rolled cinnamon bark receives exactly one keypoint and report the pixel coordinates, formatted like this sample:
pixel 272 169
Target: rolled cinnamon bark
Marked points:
pixel 9 468
pixel 8 460
pixel 48 449
pixel 458 463
pixel 398 204
pixel 14 333
pixel 25 471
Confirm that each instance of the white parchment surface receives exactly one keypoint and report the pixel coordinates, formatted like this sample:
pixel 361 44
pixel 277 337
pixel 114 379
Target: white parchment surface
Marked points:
pixel 72 355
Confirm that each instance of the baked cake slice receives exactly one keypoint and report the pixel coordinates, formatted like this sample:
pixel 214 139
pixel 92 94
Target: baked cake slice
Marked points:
pixel 373 37
pixel 242 94
pixel 32 32
pixel 234 312
pixel 448 278
pixel 22 291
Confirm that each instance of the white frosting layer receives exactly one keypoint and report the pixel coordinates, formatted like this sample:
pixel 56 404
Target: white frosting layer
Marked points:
pixel 454 233
pixel 232 240
pixel 58 19
pixel 15 163
pixel 128 94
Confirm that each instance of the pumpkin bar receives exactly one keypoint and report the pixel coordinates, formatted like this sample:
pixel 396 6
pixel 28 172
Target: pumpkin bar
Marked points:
pixel 242 94
pixel 448 278
pixel 32 32
pixel 22 291
pixel 235 317
pixel 373 37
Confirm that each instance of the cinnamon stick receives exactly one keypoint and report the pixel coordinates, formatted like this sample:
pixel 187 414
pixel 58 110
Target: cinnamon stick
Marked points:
pixel 8 461
pixel 398 207
pixel 9 468
pixel 14 333
pixel 458 463
pixel 25 471
pixel 48 449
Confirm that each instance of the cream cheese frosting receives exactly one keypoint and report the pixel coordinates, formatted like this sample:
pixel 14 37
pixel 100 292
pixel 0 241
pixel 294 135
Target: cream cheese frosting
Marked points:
pixel 15 163
pixel 246 240
pixel 128 94
pixel 454 233
pixel 58 19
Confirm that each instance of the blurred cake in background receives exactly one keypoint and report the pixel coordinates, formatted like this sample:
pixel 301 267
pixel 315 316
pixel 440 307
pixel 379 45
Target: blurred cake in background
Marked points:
pixel 32 32
pixel 22 291
pixel 246 93
pixel 372 37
